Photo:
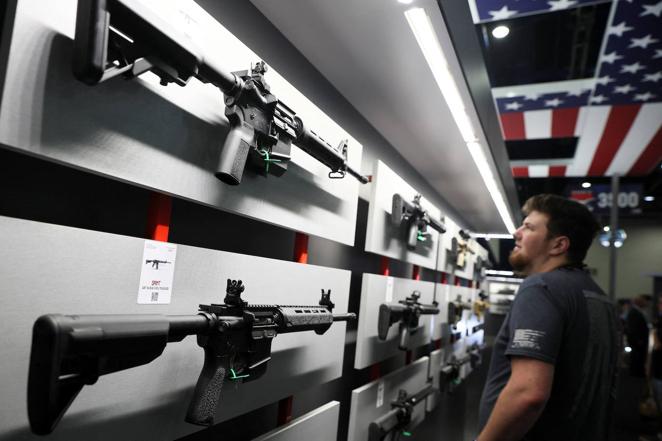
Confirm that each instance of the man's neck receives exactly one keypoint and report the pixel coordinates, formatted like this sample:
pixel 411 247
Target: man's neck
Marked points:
pixel 548 265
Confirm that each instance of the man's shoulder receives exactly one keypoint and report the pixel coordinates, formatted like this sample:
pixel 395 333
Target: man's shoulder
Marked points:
pixel 566 277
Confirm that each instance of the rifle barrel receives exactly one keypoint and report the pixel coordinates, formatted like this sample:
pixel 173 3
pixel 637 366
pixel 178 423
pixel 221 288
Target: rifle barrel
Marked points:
pixel 344 317
pixel 362 179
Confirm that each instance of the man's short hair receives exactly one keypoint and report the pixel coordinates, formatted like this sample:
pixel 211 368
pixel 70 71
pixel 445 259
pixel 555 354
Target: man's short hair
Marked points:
pixel 566 218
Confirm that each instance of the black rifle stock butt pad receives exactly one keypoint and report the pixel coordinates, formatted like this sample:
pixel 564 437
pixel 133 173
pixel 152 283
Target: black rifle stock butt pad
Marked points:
pixel 384 322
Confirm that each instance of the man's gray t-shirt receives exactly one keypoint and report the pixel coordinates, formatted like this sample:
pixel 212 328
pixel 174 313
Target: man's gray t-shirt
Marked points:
pixel 563 318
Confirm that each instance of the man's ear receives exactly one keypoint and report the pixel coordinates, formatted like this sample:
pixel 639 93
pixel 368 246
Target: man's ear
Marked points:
pixel 560 245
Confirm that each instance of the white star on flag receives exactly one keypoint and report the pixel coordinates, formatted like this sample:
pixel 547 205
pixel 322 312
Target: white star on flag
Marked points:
pixel 598 99
pixel 554 103
pixel 632 68
pixel 658 53
pixel 655 10
pixel 604 80
pixel 556 5
pixel 577 92
pixel 624 89
pixel 610 58
pixel 644 96
pixel 657 76
pixel 642 42
pixel 513 106
pixel 502 13
pixel 619 29
pixel 531 96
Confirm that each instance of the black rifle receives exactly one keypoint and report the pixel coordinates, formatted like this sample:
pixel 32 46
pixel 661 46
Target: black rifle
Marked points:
pixel 455 309
pixel 397 420
pixel 113 39
pixel 155 263
pixel 407 312
pixel 414 219
pixel 70 351
pixel 449 376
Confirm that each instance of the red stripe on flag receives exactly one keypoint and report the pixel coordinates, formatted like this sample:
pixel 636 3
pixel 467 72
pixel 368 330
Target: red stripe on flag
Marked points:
pixel 512 124
pixel 520 172
pixel 564 122
pixel 618 124
pixel 650 157
pixel 557 170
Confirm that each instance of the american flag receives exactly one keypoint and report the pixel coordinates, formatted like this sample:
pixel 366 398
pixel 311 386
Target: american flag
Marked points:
pixel 617 115
pixel 492 10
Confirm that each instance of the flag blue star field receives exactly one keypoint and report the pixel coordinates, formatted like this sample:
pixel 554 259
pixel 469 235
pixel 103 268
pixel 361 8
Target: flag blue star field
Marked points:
pixel 616 115
pixel 630 67
pixel 491 10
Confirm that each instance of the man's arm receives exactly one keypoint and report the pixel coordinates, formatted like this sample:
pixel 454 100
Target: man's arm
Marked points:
pixel 521 401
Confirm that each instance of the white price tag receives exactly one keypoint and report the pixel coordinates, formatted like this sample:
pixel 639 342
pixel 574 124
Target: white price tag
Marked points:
pixel 389 289
pixel 380 394
pixel 158 268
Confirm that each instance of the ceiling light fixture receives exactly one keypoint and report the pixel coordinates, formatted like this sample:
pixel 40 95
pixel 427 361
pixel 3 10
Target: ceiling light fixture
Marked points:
pixel 586 185
pixel 649 198
pixel 405 2
pixel 490 272
pixel 427 40
pixel 500 31
pixel 489 236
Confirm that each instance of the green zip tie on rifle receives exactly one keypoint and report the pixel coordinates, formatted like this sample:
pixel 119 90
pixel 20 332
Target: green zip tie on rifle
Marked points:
pixel 420 236
pixel 234 376
pixel 405 433
pixel 265 157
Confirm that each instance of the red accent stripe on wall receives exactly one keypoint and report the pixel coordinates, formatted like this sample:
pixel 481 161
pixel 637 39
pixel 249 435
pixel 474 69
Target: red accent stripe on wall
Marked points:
pixel 284 411
pixel 383 266
pixel 557 170
pixel 158 216
pixel 618 124
pixel 564 122
pixel 512 124
pixel 301 248
pixel 520 172
pixel 650 157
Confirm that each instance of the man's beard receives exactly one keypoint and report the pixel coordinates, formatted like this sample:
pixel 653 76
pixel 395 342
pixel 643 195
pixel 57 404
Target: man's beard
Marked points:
pixel 518 261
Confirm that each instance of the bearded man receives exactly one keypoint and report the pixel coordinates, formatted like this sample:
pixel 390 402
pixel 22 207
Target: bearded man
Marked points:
pixel 554 363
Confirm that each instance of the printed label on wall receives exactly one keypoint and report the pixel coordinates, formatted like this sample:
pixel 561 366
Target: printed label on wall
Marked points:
pixel 158 268
pixel 389 290
pixel 380 394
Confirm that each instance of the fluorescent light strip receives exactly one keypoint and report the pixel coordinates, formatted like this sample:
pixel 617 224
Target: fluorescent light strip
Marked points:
pixel 420 24
pixel 492 187
pixel 489 236
pixel 499 273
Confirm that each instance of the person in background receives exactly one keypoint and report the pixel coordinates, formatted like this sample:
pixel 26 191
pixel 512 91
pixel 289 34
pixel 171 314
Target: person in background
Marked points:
pixel 656 362
pixel 637 331
pixel 553 371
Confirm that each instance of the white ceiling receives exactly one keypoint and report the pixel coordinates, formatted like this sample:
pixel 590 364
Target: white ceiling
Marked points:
pixel 367 51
